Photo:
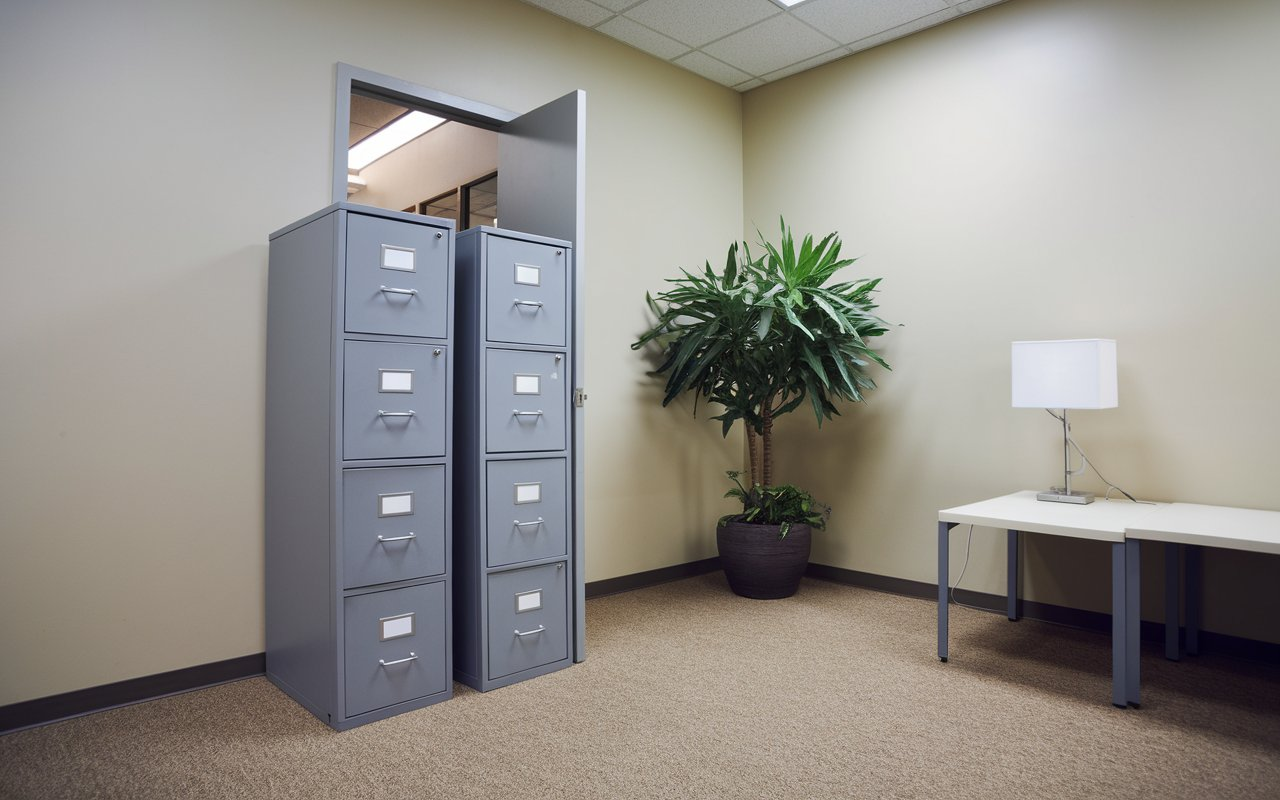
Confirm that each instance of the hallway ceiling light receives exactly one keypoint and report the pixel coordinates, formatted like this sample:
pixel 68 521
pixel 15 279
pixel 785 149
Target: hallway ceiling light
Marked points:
pixel 397 134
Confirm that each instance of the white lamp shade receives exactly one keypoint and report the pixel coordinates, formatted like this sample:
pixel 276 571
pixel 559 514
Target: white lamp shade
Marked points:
pixel 1065 373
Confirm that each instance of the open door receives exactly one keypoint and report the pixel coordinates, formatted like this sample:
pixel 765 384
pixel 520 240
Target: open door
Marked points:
pixel 542 190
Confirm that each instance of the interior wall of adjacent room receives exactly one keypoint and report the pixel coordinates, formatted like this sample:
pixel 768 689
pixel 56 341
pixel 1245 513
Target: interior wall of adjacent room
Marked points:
pixel 439 161
pixel 1045 169
pixel 161 145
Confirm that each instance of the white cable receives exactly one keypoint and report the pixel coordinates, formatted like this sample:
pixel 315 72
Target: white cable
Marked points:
pixel 967 542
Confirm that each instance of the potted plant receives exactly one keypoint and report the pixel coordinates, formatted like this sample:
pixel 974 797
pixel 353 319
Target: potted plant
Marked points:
pixel 761 338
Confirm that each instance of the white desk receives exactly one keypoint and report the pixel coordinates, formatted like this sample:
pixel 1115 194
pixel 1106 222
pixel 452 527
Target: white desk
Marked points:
pixel 1194 526
pixel 1103 521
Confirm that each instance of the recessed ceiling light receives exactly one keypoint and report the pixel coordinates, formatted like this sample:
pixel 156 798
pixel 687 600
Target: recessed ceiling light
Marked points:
pixel 397 134
pixel 788 3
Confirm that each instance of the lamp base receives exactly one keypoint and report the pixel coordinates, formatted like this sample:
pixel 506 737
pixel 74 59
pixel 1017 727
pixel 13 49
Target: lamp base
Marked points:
pixel 1057 495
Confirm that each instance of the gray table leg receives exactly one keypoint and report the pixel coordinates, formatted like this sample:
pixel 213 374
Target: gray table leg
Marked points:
pixel 1119 674
pixel 944 567
pixel 1194 598
pixel 1133 622
pixel 1171 581
pixel 1013 576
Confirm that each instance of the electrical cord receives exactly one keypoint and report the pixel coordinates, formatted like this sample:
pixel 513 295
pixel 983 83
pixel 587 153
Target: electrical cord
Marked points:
pixel 954 601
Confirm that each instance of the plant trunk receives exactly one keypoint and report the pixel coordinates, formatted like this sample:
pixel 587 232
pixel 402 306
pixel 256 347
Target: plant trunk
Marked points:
pixel 766 446
pixel 753 454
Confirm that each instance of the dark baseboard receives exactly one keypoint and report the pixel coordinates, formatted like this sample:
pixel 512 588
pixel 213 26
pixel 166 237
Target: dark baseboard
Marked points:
pixel 639 580
pixel 58 707
pixel 1210 642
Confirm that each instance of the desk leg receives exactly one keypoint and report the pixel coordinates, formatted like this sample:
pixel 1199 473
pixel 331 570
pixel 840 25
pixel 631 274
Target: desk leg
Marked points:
pixel 1194 598
pixel 944 568
pixel 1171 580
pixel 1119 674
pixel 1133 621
pixel 1013 576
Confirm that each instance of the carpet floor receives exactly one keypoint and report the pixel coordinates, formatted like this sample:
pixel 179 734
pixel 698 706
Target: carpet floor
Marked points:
pixel 691 692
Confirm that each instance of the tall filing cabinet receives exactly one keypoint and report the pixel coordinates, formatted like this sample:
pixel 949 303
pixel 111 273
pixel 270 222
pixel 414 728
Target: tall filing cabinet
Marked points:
pixel 358 469
pixel 513 569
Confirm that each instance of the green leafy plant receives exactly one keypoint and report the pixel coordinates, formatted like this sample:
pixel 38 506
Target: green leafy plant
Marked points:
pixel 783 506
pixel 765 335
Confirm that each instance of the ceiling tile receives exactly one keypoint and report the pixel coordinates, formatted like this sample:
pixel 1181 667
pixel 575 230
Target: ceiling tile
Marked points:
pixel 850 21
pixel 618 5
pixel 708 67
pixel 696 23
pixel 582 12
pixel 810 63
pixel 749 85
pixel 903 30
pixel 965 6
pixel 637 35
pixel 770 45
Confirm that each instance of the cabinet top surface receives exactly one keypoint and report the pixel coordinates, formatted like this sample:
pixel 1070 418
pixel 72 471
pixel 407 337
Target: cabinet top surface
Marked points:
pixel 355 208
pixel 486 230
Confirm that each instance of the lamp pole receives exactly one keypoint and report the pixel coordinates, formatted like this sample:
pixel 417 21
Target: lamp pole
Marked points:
pixel 1066 455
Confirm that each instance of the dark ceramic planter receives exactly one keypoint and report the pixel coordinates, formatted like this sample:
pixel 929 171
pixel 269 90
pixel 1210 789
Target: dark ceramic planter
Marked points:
pixel 760 565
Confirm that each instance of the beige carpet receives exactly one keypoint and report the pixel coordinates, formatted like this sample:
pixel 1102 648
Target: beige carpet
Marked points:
pixel 691 692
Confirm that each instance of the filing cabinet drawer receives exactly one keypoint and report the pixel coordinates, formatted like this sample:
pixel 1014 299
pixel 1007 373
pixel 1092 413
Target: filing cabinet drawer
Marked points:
pixel 395 400
pixel 528 619
pixel 526 293
pixel 397 277
pixel 526 400
pixel 526 507
pixel 395 646
pixel 393 524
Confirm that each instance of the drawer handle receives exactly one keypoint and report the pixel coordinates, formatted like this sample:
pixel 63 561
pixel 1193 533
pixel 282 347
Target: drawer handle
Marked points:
pixel 412 657
pixel 534 303
pixel 408 413
pixel 539 629
pixel 385 539
pixel 519 413
pixel 520 524
pixel 394 290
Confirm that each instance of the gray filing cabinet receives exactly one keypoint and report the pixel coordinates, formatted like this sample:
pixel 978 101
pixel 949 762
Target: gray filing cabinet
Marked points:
pixel 358 471
pixel 514 570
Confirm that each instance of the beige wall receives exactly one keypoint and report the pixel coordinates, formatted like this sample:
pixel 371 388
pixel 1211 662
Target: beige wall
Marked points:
pixel 151 150
pixel 1040 169
pixel 439 161
pixel 1045 170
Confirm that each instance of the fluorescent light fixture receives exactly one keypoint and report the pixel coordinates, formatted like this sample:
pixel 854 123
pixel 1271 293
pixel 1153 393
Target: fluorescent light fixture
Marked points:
pixel 397 134
pixel 788 3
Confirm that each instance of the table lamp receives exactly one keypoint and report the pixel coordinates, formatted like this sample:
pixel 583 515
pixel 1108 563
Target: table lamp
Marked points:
pixel 1065 374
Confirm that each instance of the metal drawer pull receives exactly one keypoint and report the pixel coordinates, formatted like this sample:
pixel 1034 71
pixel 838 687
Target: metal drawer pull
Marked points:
pixel 412 657
pixel 520 524
pixel 408 413
pixel 535 303
pixel 539 629
pixel 393 290
pixel 385 539
pixel 519 413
